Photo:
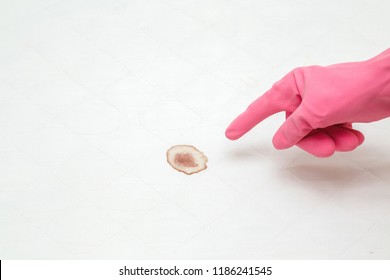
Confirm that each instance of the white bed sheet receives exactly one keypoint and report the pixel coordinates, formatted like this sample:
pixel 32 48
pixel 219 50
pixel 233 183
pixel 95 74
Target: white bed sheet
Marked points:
pixel 93 93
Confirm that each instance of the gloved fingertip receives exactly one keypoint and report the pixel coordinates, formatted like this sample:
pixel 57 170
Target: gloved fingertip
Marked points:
pixel 324 152
pixel 232 134
pixel 326 155
pixel 319 145
pixel 360 137
pixel 280 143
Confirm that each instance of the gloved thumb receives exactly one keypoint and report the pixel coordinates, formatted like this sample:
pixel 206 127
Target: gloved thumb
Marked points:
pixel 292 130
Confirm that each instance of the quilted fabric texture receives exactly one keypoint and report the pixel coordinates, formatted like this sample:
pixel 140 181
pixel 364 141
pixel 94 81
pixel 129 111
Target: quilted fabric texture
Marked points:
pixel 94 92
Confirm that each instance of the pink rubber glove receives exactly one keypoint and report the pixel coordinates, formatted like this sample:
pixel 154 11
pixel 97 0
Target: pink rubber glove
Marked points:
pixel 321 103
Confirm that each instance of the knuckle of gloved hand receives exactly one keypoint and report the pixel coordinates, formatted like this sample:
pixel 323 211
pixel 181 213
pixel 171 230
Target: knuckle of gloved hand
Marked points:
pixel 298 70
pixel 298 74
pixel 316 116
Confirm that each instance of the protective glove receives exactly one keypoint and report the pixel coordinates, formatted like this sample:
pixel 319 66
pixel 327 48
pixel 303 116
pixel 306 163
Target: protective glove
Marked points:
pixel 321 103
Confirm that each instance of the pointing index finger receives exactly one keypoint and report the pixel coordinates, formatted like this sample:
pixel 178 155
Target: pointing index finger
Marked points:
pixel 281 97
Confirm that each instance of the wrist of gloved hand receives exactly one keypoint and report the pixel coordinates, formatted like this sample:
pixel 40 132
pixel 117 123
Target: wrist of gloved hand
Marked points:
pixel 382 65
pixel 378 80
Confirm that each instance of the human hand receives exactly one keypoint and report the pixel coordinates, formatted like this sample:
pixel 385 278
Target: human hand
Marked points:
pixel 321 103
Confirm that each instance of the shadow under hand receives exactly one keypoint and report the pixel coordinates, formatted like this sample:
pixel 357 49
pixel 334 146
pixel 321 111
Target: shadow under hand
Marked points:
pixel 323 172
pixel 353 168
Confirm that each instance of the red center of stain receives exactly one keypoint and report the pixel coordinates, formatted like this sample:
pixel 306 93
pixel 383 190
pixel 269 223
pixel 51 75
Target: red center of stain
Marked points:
pixel 185 159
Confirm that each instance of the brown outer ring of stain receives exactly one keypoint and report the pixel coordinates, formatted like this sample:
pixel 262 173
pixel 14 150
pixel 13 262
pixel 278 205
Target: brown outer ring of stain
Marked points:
pixel 205 165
